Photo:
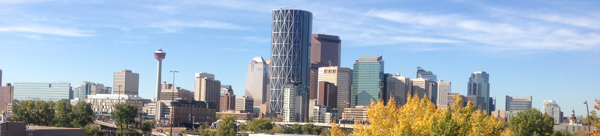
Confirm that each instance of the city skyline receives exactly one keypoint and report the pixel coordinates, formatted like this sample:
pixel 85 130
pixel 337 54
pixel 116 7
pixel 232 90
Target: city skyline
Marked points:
pixel 40 47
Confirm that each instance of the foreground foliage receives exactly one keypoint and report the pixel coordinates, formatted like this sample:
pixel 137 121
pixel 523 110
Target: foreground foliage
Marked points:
pixel 531 122
pixel 597 125
pixel 59 114
pixel 227 126
pixel 124 115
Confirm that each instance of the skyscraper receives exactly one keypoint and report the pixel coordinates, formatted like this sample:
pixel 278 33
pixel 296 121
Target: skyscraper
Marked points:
pixel 89 88
pixel 518 103
pixel 290 53
pixel 6 97
pixel 257 80
pixel 398 86
pixel 126 82
pixel 553 110
pixel 0 77
pixel 368 80
pixel 325 51
pixel 42 91
pixel 426 74
pixel 295 103
pixel 433 87
pixel 443 91
pixel 479 85
pixel 207 88
pixel 342 78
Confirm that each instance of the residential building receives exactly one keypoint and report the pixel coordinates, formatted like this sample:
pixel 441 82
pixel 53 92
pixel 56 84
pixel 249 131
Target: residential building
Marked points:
pixel 102 104
pixel 422 87
pixel 6 97
pixel 551 108
pixel 257 79
pixel 325 52
pixel 169 92
pixel 479 85
pixel 398 87
pixel 327 94
pixel 443 91
pixel 207 88
pixel 341 78
pixel 126 82
pixel 244 104
pixel 290 53
pixel 42 91
pixel 368 80
pixel 357 114
pixel 295 103
pixel 518 103
pixel 324 114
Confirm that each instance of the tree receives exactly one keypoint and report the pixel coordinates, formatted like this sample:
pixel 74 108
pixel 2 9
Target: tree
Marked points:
pixel 308 129
pixel 593 118
pixel 63 115
pixel 124 114
pixel 260 125
pixel 147 126
pixel 226 126
pixel 294 129
pixel 336 130
pixel 597 125
pixel 531 122
pixel 45 112
pixel 83 114
pixel 91 130
pixel 34 112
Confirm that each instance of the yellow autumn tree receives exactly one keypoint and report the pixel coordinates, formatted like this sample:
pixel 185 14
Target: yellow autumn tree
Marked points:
pixel 419 117
pixel 596 132
pixel 336 130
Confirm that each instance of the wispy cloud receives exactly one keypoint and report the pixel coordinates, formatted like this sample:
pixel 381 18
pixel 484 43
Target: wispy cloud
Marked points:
pixel 48 30
pixel 174 26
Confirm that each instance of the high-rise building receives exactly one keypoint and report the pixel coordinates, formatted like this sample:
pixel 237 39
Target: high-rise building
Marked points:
pixel 0 77
pixel 159 55
pixel 341 78
pixel 327 94
pixel 295 103
pixel 551 108
pixel 443 91
pixel 42 91
pixel 325 52
pixel 89 88
pixel 244 104
pixel 126 82
pixel 479 85
pixel 368 80
pixel 169 92
pixel 290 53
pixel 227 102
pixel 257 80
pixel 324 114
pixel 207 88
pixel 478 102
pixel 421 73
pixel 518 103
pixel 398 87
pixel 226 89
pixel 451 99
pixel 6 97
pixel 422 87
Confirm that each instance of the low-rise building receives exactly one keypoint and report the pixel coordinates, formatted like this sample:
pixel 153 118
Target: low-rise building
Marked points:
pixel 102 104
pixel 356 114
pixel 237 114
pixel 196 112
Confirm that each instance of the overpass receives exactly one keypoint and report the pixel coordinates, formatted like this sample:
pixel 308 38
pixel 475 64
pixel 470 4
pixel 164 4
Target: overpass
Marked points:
pixel 324 125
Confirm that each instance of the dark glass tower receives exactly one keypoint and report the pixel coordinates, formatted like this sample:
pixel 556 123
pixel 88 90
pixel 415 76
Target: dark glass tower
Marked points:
pixel 368 80
pixel 290 53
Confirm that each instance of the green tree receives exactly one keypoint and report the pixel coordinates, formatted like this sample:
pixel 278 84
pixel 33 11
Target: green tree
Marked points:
pixel 83 114
pixel 294 129
pixel 593 118
pixel 531 122
pixel 124 114
pixel 243 127
pixel 260 125
pixel 147 126
pixel 227 126
pixel 24 111
pixel 91 130
pixel 63 115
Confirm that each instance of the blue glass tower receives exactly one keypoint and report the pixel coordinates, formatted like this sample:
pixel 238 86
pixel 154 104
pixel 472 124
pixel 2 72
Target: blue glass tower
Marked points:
pixel 290 53
pixel 368 80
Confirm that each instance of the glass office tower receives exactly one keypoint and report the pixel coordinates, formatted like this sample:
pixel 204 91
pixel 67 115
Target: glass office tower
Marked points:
pixel 368 80
pixel 42 91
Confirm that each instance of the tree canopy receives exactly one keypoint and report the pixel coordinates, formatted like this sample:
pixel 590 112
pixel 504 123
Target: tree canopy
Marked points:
pixel 227 126
pixel 531 122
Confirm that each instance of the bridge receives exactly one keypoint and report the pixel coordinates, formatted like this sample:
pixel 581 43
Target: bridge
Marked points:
pixel 105 125
pixel 324 125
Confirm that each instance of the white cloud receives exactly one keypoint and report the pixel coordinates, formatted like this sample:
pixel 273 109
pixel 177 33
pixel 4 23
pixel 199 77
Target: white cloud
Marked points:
pixel 174 26
pixel 48 30
pixel 574 20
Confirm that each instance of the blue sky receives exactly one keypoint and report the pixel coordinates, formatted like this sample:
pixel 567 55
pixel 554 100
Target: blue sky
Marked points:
pixel 545 49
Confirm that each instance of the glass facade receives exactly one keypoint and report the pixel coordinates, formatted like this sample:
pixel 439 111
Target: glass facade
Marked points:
pixel 368 80
pixel 290 53
pixel 42 91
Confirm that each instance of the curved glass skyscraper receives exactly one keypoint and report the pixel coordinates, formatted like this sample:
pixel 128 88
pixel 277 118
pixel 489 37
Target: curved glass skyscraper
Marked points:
pixel 290 53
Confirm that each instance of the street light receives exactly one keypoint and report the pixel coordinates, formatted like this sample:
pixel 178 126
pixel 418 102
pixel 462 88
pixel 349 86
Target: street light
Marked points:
pixel 173 98
pixel 588 113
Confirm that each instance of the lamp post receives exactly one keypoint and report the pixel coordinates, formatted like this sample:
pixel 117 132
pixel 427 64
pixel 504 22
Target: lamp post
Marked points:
pixel 173 98
pixel 588 115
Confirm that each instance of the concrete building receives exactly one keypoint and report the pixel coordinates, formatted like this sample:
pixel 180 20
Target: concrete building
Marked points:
pixel 326 51
pixel 500 114
pixel 227 102
pixel 327 94
pixel 257 79
pixel 244 104
pixel 518 103
pixel 42 91
pixel 207 88
pixel 90 88
pixel 422 87
pixel 126 82
pixel 432 94
pixel 324 114
pixel 368 80
pixel 551 108
pixel 169 92
pixel 341 78
pixel 399 87
pixel 443 91
pixel 295 103
pixel 359 113
pixel 185 112
pixel 102 104
pixel 6 97
pixel 290 53
pixel 478 102
pixel 479 85
pixel 451 99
